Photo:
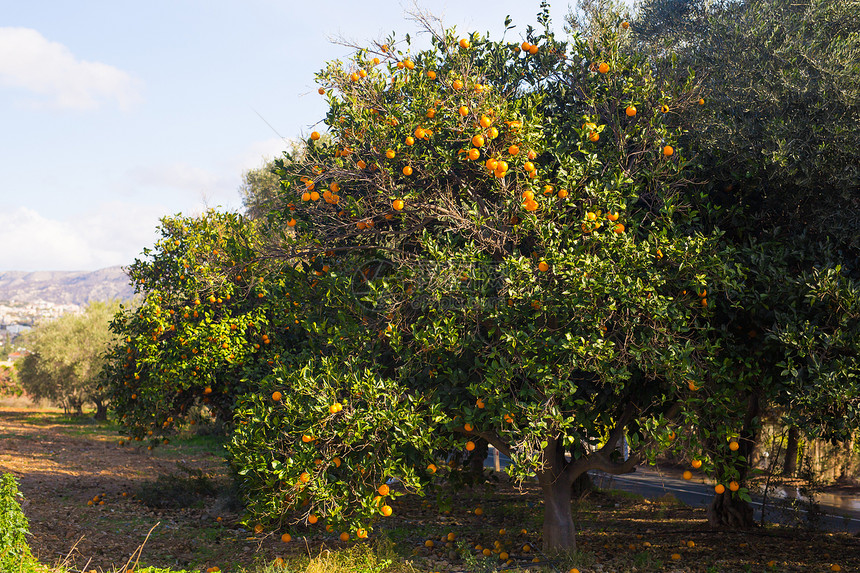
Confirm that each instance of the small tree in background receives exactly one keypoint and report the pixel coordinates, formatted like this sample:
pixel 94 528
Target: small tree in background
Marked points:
pixel 66 358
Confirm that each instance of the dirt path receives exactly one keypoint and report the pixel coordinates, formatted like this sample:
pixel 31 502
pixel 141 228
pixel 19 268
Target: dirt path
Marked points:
pixel 62 466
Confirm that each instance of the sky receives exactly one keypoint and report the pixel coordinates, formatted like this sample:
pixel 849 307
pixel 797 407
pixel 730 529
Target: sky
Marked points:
pixel 116 113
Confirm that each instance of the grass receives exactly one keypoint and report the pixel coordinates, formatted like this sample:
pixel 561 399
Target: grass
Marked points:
pixel 617 531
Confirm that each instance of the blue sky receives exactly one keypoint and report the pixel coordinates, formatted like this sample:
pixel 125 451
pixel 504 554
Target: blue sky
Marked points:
pixel 115 113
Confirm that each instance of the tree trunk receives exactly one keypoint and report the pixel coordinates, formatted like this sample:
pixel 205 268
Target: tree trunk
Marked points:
pixel 581 486
pixel 729 511
pixel 559 533
pixel 476 460
pixel 790 466
pixel 101 411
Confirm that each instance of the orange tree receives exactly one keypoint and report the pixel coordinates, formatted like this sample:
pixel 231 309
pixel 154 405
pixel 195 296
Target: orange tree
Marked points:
pixel 776 146
pixel 209 325
pixel 506 255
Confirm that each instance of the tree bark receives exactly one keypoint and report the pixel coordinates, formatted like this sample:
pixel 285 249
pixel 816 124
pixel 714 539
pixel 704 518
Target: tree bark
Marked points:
pixel 789 468
pixel 101 411
pixel 559 533
pixel 581 486
pixel 728 511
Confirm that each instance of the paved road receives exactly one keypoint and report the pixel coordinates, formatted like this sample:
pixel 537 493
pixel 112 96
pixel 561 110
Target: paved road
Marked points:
pixel 652 485
pixel 841 514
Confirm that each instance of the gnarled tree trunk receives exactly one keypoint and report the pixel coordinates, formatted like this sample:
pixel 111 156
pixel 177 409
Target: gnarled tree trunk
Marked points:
pixel 727 509
pixel 790 466
pixel 101 410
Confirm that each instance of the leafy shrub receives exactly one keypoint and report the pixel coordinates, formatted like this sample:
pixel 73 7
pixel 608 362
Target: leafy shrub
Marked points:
pixel 15 555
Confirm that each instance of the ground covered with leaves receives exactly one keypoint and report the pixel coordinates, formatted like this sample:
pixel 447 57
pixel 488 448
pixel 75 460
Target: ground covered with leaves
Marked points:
pixel 92 504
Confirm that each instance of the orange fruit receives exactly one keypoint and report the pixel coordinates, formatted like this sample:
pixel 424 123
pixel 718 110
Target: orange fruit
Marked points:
pixel 386 510
pixel 479 511
pixel 468 427
pixel 410 140
pixel 676 557
pixel 543 266
pixel 407 171
pixel 667 151
pixel 619 228
pixel 336 462
pixel 306 196
pixel 603 68
pixel 529 166
pixel 315 135
pixel 474 153
pixel 696 464
pixel 321 91
pixel 344 536
pixel 612 216
pixel 276 396
pixel 701 101
pixel 258 528
pixel 688 475
pixel 525 46
pixel 562 193
pixel 478 141
pixel 464 111
pixel 733 446
pixel 432 468
pixel 457 85
pixel 664 108
pixel 630 111
pixel 305 477
pixel 315 196
pixel 383 489
pixel 485 121
pixel 390 153
pixel 734 486
pixel 431 74
pixel 513 150
pixel 470 446
pixel 593 136
pixel 286 537
pixel 720 489
pixel 312 519
pixel 431 113
pixel 464 43
pixel 625 25
pixel 491 164
pixel 361 534
pixel 398 204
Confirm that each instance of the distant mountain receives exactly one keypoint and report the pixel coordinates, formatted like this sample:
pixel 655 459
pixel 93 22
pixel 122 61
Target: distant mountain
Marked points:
pixel 63 287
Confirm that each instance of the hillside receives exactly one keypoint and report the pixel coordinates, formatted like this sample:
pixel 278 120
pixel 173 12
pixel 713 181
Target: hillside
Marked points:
pixel 64 287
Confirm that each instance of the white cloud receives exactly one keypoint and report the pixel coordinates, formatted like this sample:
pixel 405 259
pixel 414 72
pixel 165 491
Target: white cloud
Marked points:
pixel 113 234
pixel 30 61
